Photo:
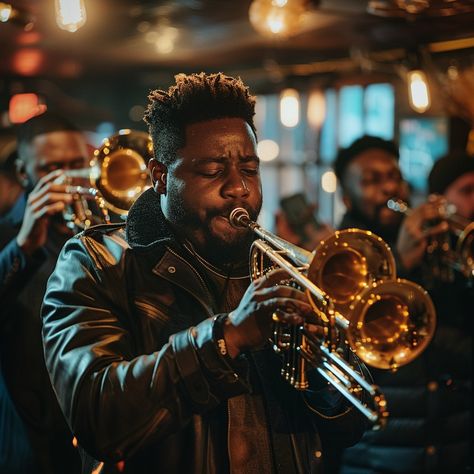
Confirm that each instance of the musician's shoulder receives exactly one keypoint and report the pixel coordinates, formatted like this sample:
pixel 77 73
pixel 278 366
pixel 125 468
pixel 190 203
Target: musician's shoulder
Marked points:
pixel 106 232
pixel 105 229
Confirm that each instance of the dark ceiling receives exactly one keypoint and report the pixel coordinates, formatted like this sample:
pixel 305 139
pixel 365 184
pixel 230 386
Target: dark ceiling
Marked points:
pixel 146 42
pixel 209 35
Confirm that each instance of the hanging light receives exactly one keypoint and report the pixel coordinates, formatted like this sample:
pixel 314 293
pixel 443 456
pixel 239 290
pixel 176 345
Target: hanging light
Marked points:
pixel 275 18
pixel 329 182
pixel 5 12
pixel 267 150
pixel 418 90
pixel 290 108
pixel 316 109
pixel 70 14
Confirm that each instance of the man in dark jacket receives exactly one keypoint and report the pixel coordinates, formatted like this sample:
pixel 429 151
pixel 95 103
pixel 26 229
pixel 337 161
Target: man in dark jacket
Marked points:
pixel 428 429
pixel 34 435
pixel 155 338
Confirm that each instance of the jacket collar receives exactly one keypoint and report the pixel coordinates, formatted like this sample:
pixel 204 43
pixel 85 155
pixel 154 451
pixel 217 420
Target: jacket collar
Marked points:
pixel 147 231
pixel 146 223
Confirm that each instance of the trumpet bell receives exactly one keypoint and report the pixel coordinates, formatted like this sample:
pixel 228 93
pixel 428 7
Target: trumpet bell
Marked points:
pixel 347 262
pixel 119 168
pixel 391 323
pixel 465 249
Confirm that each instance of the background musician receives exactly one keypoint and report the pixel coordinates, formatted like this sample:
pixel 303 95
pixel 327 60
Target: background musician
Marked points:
pixel 35 436
pixel 428 429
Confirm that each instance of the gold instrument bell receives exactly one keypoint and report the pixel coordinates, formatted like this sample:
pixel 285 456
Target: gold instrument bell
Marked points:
pixel 119 169
pixel 116 177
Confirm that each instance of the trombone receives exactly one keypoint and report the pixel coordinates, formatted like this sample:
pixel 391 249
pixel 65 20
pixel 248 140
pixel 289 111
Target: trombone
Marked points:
pixel 116 177
pixel 351 284
pixel 459 258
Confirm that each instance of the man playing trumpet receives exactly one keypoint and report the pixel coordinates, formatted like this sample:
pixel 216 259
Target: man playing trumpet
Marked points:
pixel 429 399
pixel 35 436
pixel 156 340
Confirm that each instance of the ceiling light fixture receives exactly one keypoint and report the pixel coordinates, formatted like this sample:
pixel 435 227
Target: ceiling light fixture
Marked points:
pixel 70 14
pixel 277 18
pixel 418 90
pixel 290 108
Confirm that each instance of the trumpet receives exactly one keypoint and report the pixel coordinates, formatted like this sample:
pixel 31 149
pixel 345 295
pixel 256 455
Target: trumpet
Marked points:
pixel 351 284
pixel 459 257
pixel 116 177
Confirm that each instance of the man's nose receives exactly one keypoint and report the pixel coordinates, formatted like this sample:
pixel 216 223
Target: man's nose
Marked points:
pixel 390 187
pixel 235 186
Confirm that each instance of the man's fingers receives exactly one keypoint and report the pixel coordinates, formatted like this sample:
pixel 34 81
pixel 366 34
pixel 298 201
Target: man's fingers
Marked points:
pixel 54 175
pixel 272 278
pixel 51 198
pixel 49 210
pixel 288 306
pixel 440 228
pixel 280 291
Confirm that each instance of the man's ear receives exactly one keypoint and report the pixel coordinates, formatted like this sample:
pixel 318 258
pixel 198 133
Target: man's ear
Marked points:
pixel 20 172
pixel 158 174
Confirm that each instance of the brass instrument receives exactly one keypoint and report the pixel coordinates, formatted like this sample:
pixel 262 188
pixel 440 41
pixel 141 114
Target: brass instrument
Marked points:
pixel 459 258
pixel 116 177
pixel 351 284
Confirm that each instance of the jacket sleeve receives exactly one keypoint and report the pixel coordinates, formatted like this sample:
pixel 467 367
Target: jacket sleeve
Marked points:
pixel 115 399
pixel 16 267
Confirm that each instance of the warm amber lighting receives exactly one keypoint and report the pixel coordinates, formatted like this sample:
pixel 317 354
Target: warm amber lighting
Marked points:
pixel 316 109
pixel 28 61
pixel 70 14
pixel 5 12
pixel 267 150
pixel 329 182
pixel 290 108
pixel 418 91
pixel 24 106
pixel 277 17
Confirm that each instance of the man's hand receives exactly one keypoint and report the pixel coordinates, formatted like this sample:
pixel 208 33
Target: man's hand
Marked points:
pixel 250 324
pixel 46 199
pixel 416 230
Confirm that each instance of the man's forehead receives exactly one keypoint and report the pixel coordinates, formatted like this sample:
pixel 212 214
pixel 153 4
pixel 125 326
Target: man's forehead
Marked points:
pixel 373 159
pixel 63 144
pixel 466 179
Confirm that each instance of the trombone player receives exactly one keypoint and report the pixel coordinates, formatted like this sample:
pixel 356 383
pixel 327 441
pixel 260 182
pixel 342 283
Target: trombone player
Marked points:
pixel 34 436
pixel 154 336
pixel 428 430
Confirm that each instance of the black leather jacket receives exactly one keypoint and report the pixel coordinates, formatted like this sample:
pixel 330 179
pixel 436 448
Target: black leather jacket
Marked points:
pixel 127 330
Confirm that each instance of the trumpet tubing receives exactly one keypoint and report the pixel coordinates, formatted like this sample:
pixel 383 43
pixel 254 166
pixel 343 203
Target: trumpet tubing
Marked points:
pixel 351 283
pixel 461 257
pixel 116 177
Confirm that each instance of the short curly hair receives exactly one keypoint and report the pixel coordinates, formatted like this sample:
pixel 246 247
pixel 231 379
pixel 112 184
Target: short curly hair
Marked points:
pixel 194 98
pixel 364 143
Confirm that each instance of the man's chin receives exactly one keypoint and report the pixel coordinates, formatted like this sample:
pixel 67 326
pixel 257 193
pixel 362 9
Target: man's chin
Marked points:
pixel 389 219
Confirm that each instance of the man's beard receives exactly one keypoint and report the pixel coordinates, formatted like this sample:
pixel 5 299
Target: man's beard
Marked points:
pixel 220 249
pixel 388 231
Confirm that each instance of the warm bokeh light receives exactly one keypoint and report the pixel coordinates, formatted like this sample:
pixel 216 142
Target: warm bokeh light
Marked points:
pixel 418 91
pixel 24 106
pixel 316 109
pixel 290 107
pixel 28 61
pixel 268 150
pixel 5 12
pixel 329 182
pixel 277 17
pixel 70 14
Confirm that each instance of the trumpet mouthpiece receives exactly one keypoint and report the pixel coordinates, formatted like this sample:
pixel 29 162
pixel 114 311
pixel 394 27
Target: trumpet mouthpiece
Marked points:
pixel 239 217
